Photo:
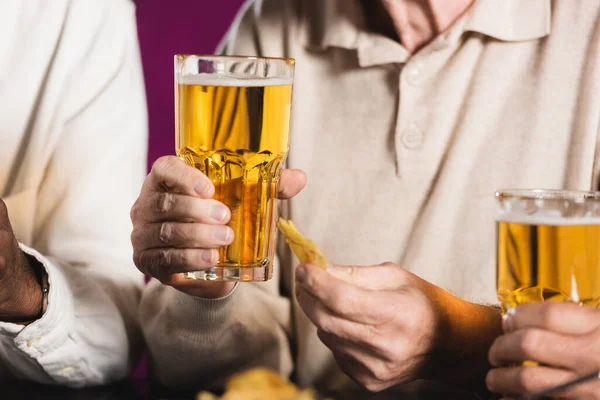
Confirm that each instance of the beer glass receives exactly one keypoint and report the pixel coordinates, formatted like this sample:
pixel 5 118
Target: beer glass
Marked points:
pixel 233 124
pixel 548 247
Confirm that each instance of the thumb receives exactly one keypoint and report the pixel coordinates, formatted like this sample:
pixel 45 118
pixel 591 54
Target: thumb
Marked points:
pixel 291 182
pixel 4 220
pixel 386 276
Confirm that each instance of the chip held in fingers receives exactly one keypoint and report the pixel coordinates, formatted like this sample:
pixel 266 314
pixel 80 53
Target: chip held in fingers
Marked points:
pixel 305 249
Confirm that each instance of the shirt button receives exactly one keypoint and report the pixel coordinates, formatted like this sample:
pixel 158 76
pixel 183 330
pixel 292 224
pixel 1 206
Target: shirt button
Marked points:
pixel 415 74
pixel 412 137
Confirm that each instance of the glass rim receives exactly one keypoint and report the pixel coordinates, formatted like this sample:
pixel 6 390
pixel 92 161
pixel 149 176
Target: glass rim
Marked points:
pixel 547 194
pixel 216 57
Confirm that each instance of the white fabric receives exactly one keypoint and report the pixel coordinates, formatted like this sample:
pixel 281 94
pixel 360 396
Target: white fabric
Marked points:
pixel 73 140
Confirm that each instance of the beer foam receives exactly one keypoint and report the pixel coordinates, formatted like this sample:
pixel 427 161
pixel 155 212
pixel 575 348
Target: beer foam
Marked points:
pixel 216 80
pixel 553 218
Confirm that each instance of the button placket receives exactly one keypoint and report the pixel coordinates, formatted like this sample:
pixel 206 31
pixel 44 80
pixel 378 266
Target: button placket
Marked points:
pixel 415 73
pixel 409 135
pixel 412 138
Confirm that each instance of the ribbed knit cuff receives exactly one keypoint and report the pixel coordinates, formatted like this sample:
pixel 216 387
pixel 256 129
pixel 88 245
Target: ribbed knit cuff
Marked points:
pixel 207 317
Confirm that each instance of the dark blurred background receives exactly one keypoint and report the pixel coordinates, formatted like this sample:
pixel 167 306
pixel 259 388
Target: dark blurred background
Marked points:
pixel 166 28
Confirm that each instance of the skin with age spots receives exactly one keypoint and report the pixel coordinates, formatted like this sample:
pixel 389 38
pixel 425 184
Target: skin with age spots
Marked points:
pixel 177 225
pixel 386 326
pixel 20 292
pixel 563 338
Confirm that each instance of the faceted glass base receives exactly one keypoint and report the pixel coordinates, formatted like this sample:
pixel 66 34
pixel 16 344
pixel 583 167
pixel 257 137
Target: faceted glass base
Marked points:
pixel 260 273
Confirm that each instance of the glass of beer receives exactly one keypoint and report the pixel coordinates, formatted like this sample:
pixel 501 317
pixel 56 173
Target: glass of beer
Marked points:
pixel 548 247
pixel 233 124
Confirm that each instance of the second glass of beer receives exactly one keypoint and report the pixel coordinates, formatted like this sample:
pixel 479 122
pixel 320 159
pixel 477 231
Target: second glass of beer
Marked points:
pixel 233 124
pixel 548 247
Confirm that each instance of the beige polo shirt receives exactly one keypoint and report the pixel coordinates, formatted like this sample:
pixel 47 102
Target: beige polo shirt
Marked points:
pixel 403 154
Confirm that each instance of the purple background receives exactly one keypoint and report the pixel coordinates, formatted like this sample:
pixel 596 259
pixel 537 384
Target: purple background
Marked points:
pixel 166 28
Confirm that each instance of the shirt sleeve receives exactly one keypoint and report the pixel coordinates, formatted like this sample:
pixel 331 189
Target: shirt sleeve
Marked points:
pixel 53 348
pixel 89 335
pixel 196 342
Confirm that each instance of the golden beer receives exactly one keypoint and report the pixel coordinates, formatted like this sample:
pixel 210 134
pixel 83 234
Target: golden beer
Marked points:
pixel 545 256
pixel 236 131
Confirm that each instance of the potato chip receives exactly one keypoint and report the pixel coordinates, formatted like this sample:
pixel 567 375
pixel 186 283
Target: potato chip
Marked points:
pixel 257 378
pixel 305 249
pixel 206 396
pixel 259 384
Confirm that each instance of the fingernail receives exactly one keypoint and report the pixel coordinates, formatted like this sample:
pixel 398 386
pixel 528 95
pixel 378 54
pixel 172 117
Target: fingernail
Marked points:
pixel 507 320
pixel 222 233
pixel 210 256
pixel 218 212
pixel 301 273
pixel 203 188
pixel 488 381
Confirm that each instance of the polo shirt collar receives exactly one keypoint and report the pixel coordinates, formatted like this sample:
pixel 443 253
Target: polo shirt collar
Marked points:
pixel 332 23
pixel 342 24
pixel 510 20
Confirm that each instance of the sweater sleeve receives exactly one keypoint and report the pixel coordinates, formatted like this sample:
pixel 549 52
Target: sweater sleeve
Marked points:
pixel 196 342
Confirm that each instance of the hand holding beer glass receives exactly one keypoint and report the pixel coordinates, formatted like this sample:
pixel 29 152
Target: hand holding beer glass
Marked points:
pixel 548 255
pixel 233 123
pixel 548 247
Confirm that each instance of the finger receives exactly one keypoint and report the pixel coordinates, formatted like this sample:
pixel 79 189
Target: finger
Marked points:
pixel 344 299
pixel 373 365
pixel 356 350
pixel 328 322
pixel 163 263
pixel 518 380
pixel 373 380
pixel 359 341
pixel 6 253
pixel 386 276
pixel 4 219
pixel 3 212
pixel 170 174
pixel 291 182
pixel 201 288
pixel 541 346
pixel 566 318
pixel 181 235
pixel 164 206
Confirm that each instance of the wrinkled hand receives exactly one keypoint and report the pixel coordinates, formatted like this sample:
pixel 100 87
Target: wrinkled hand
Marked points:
pixel 563 338
pixel 177 226
pixel 381 322
pixel 20 292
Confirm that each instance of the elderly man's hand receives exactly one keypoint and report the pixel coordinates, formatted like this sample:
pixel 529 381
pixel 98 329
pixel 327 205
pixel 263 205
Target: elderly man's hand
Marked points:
pixel 177 226
pixel 386 326
pixel 563 338
pixel 20 292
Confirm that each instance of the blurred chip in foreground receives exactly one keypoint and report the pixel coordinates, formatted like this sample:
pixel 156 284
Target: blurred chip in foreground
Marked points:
pixel 259 384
